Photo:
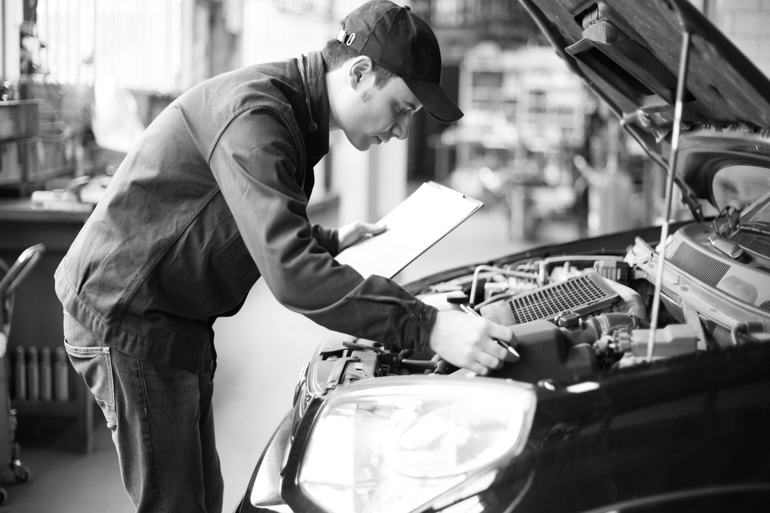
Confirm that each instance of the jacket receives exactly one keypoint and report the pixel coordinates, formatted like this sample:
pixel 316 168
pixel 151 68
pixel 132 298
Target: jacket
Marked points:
pixel 212 197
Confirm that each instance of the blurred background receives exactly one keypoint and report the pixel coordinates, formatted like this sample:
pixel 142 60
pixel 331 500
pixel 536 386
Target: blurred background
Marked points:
pixel 533 141
pixel 81 79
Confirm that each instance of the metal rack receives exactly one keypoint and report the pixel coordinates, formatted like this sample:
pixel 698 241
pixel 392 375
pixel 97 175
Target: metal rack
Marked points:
pixel 38 313
pixel 12 278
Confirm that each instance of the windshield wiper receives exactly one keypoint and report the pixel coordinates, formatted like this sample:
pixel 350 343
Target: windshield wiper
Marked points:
pixel 756 226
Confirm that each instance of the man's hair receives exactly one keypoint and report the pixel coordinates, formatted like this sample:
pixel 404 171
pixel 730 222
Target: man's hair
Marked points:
pixel 335 54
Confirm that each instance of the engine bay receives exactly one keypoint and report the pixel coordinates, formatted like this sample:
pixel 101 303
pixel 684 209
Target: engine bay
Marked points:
pixel 577 315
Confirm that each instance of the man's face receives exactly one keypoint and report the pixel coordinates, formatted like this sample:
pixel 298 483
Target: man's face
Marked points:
pixel 373 115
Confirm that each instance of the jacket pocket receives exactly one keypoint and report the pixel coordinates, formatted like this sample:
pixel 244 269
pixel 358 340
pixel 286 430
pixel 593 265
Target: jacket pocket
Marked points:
pixel 94 364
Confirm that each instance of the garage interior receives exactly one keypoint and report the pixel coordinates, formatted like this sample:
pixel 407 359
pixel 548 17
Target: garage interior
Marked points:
pixel 82 79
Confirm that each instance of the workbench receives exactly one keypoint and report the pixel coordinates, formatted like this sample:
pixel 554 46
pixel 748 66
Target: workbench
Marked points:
pixel 37 313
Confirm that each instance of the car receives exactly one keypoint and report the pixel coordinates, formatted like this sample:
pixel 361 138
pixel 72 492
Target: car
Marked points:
pixel 644 375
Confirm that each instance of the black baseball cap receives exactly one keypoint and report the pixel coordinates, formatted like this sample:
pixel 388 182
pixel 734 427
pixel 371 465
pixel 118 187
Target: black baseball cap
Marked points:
pixel 402 43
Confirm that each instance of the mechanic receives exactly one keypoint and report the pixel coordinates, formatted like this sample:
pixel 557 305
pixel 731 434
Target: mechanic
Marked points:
pixel 212 197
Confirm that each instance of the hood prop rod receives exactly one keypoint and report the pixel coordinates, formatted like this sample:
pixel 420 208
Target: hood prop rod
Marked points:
pixel 669 188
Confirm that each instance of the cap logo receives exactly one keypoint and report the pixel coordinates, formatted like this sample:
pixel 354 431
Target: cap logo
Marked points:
pixel 345 38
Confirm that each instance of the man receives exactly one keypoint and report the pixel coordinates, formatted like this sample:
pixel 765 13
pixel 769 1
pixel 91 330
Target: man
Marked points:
pixel 214 196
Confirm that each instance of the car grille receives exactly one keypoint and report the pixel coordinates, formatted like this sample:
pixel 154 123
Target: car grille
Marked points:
pixel 581 295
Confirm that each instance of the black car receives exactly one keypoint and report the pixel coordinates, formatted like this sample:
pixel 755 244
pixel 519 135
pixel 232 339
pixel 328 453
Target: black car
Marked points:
pixel 644 378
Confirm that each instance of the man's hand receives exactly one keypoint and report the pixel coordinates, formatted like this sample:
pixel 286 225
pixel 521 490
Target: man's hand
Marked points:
pixel 469 342
pixel 357 230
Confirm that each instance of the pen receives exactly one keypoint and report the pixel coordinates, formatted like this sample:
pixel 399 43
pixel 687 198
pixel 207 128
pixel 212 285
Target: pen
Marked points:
pixel 501 343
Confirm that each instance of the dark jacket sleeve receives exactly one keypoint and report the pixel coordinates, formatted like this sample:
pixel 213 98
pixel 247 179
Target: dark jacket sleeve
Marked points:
pixel 254 163
pixel 327 238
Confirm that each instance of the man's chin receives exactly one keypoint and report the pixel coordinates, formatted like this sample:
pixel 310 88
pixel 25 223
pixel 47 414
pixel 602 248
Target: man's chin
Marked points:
pixel 361 145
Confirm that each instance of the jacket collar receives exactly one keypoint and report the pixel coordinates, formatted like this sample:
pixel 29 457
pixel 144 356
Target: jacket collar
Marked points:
pixel 317 143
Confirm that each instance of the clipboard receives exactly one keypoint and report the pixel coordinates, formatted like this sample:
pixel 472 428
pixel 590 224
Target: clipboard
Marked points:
pixel 413 227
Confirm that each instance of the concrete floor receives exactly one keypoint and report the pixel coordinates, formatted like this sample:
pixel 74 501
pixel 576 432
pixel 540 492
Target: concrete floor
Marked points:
pixel 261 351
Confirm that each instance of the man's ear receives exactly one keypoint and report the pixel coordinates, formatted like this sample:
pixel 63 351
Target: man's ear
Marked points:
pixel 359 68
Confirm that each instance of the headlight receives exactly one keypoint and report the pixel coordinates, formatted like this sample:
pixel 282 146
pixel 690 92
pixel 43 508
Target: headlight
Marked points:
pixel 392 444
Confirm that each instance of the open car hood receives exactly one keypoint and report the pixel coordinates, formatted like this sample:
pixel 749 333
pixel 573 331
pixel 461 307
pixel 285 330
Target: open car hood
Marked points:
pixel 628 53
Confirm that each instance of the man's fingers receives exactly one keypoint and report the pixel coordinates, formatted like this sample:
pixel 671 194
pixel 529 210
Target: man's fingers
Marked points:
pixel 356 231
pixel 471 342
pixel 512 358
pixel 504 336
pixel 489 361
pixel 375 229
pixel 494 349
pixel 503 333
pixel 478 369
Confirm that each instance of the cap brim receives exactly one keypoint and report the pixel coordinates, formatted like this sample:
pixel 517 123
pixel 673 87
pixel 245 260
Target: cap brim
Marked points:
pixel 434 100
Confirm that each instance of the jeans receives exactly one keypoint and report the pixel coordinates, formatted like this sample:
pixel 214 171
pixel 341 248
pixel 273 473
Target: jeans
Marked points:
pixel 162 425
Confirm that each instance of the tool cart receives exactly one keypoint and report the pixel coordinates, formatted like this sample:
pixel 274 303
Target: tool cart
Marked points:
pixel 11 279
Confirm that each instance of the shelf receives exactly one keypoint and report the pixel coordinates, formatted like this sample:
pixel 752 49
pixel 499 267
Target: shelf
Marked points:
pixel 37 313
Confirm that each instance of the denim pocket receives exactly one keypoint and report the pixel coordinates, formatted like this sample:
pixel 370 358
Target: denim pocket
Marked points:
pixel 94 364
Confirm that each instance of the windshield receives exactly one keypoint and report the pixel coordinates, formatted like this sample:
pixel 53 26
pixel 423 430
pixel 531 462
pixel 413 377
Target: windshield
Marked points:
pixel 753 232
pixel 758 215
pixel 739 186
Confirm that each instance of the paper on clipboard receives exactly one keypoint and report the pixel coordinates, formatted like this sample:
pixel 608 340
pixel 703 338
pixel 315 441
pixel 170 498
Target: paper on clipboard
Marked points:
pixel 420 221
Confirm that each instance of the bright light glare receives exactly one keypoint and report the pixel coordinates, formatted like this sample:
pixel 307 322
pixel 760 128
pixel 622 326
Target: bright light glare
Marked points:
pixel 459 437
pixel 392 444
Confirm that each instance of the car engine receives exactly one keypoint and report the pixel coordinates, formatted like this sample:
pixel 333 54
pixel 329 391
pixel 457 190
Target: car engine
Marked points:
pixel 575 316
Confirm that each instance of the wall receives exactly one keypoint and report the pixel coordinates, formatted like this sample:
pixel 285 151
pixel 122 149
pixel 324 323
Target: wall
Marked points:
pixel 12 17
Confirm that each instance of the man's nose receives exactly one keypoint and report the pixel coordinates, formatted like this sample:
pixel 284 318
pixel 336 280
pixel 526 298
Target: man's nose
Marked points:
pixel 400 129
